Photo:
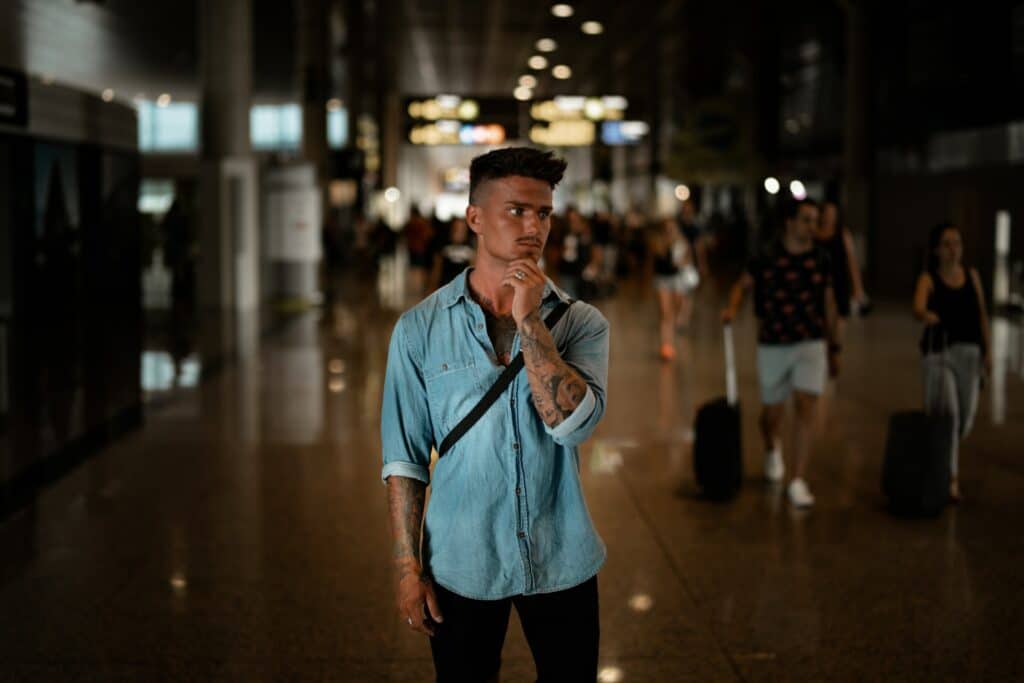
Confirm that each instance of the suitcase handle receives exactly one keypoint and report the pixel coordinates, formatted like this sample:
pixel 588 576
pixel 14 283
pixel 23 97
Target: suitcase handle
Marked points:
pixel 731 392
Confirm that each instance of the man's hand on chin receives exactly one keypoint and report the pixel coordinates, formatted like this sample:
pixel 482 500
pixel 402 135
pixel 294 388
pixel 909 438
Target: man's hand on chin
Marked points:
pixel 526 279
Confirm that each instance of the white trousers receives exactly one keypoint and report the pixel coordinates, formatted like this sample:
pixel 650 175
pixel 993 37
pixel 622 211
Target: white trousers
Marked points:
pixel 951 385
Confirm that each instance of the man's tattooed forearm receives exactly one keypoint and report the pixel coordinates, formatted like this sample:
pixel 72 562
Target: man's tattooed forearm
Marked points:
pixel 405 500
pixel 557 388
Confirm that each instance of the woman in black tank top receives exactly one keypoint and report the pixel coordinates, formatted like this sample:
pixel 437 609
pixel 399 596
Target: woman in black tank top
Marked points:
pixel 950 302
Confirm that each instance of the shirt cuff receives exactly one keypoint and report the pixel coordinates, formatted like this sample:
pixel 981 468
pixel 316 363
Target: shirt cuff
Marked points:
pixel 570 424
pixel 409 470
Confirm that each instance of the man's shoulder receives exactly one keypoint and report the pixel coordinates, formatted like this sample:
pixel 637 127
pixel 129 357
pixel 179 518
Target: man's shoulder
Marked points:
pixel 585 314
pixel 426 310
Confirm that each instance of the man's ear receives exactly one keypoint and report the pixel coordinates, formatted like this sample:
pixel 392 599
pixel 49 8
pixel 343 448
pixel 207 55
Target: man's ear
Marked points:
pixel 473 218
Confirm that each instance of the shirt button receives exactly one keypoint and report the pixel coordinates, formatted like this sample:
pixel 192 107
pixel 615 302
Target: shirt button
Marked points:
pixel 521 534
pixel 519 491
pixel 444 367
pixel 479 326
pixel 515 447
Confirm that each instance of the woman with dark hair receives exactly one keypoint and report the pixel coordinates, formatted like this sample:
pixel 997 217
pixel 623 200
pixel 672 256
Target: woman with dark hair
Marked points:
pixel 836 238
pixel 955 346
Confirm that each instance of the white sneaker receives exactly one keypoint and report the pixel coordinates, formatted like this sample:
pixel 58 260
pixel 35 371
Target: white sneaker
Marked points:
pixel 799 494
pixel 774 467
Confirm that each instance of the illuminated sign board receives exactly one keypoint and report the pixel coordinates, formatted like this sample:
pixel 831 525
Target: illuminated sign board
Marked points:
pixel 623 132
pixel 444 107
pixel 456 133
pixel 579 108
pixel 564 134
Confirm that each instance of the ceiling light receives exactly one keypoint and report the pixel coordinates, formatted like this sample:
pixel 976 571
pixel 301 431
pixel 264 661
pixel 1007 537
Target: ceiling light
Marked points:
pixel 108 95
pixel 334 104
pixel 528 81
pixel 538 62
pixel 682 193
pixel 561 72
pixel 163 100
pixel 561 10
pixel 771 185
pixel 392 195
pixel 798 190
pixel 522 93
pixel 592 28
pixel 547 45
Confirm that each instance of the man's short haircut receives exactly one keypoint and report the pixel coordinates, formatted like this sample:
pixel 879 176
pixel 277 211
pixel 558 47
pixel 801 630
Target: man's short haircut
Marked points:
pixel 514 161
pixel 793 207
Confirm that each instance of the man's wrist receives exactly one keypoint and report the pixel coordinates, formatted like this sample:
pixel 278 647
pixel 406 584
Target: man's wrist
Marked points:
pixel 531 317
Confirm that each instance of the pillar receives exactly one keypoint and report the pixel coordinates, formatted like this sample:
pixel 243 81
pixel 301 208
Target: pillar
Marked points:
pixel 228 266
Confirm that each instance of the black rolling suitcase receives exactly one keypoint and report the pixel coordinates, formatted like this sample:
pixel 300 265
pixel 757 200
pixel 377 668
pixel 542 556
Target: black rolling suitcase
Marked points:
pixel 916 472
pixel 717 446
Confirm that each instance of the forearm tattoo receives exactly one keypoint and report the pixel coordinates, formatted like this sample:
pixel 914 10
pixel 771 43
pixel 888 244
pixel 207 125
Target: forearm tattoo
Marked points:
pixel 405 501
pixel 557 388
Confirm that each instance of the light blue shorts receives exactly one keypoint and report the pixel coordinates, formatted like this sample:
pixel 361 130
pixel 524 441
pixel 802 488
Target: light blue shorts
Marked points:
pixel 781 368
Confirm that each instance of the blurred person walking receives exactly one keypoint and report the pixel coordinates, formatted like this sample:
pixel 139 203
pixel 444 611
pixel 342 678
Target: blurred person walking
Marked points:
pixel 419 236
pixel 454 255
pixel 484 549
pixel 837 240
pixel 579 258
pixel 671 255
pixel 950 301
pixel 694 234
pixel 797 345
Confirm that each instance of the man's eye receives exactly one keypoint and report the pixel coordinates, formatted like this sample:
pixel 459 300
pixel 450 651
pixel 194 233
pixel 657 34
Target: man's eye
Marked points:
pixel 544 215
pixel 516 211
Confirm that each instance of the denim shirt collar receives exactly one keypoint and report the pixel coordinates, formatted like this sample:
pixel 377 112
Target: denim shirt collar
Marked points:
pixel 458 289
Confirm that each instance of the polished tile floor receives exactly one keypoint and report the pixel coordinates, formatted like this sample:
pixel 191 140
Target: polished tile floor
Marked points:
pixel 242 534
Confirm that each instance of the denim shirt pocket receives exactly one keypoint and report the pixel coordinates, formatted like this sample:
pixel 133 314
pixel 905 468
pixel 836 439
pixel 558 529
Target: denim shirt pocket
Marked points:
pixel 452 390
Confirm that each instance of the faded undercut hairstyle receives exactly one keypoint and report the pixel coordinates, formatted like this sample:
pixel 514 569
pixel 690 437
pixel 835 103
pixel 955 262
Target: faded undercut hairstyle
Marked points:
pixel 514 161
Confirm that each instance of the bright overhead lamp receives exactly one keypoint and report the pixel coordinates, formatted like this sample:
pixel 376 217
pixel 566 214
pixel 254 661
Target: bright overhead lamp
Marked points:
pixel 522 93
pixel 528 81
pixel 592 28
pixel 797 189
pixel 108 95
pixel 547 45
pixel 334 104
pixel 538 62
pixel 562 10
pixel 392 195
pixel 163 100
pixel 771 185
pixel 682 192
pixel 561 72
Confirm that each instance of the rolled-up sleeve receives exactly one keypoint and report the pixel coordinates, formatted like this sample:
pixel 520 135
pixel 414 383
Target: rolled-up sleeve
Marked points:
pixel 406 434
pixel 587 352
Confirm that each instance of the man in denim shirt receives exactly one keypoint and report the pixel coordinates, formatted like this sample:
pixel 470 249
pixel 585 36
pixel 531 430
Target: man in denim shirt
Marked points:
pixel 507 522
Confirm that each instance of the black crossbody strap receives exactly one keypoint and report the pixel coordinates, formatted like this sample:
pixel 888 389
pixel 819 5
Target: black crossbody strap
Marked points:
pixel 497 388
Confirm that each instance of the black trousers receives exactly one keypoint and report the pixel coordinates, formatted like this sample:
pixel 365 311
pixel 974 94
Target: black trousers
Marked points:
pixel 561 628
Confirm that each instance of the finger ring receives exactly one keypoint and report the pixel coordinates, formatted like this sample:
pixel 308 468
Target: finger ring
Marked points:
pixel 410 621
pixel 520 275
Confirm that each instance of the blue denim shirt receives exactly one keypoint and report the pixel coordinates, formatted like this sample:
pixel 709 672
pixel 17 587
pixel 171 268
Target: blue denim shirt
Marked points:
pixel 506 514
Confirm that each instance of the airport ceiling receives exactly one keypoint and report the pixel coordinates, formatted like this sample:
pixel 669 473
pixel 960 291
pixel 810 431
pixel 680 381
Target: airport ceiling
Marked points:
pixel 471 47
